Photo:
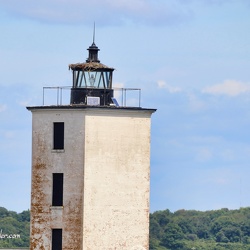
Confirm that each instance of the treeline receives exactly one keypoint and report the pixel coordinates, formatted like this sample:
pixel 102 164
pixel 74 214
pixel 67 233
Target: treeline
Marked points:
pixel 195 230
pixel 14 228
pixel 222 229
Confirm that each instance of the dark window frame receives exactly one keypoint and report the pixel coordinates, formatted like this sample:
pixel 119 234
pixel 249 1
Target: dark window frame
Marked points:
pixel 58 135
pixel 57 189
pixel 56 239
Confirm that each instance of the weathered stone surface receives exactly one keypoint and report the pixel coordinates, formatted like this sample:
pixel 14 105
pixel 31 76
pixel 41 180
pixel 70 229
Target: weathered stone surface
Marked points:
pixel 106 162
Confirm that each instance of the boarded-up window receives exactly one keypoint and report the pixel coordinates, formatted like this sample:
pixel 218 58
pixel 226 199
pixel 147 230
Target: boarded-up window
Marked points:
pixel 58 135
pixel 57 193
pixel 56 239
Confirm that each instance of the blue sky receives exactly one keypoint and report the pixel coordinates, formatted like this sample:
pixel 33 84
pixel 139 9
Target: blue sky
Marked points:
pixel 190 57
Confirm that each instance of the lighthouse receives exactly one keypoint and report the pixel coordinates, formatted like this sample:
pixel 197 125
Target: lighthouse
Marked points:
pixel 90 167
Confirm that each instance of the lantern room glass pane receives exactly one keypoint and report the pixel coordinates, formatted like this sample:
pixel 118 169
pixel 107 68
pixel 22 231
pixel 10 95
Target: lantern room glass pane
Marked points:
pixel 93 79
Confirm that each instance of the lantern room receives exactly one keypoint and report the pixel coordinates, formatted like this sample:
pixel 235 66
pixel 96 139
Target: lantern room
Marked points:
pixel 92 81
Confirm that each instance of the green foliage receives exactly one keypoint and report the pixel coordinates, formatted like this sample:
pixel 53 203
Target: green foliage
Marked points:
pixel 14 224
pixel 222 229
pixel 196 230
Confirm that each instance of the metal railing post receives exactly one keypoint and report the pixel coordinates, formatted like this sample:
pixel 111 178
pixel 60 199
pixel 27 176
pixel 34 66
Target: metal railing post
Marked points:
pixel 43 96
pixel 139 97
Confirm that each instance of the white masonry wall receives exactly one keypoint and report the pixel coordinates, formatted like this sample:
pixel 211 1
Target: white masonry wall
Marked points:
pixel 116 181
pixel 105 161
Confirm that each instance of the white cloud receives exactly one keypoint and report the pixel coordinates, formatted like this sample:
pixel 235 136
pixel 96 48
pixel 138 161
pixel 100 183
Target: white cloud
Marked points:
pixel 229 88
pixel 221 176
pixel 107 12
pixel 118 85
pixel 195 104
pixel 9 134
pixel 132 5
pixel 25 103
pixel 228 155
pixel 118 90
pixel 171 89
pixel 3 107
pixel 203 155
pixel 104 12
pixel 126 96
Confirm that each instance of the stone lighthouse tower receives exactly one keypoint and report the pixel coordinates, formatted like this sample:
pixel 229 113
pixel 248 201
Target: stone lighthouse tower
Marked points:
pixel 90 167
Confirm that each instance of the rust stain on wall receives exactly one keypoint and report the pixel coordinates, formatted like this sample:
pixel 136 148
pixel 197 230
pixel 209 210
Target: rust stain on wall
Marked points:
pixel 73 225
pixel 44 217
pixel 39 205
pixel 39 216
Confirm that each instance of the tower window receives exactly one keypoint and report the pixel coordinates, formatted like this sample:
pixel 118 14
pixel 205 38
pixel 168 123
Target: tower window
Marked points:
pixel 58 135
pixel 57 193
pixel 56 239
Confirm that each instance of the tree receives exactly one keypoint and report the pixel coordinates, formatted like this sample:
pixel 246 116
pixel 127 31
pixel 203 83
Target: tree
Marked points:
pixel 12 223
pixel 172 237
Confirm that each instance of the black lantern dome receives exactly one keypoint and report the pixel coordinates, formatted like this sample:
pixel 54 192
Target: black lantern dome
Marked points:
pixel 92 81
pixel 93 53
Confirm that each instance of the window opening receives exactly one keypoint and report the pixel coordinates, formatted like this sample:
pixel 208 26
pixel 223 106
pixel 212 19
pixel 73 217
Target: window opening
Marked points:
pixel 57 192
pixel 57 239
pixel 58 135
